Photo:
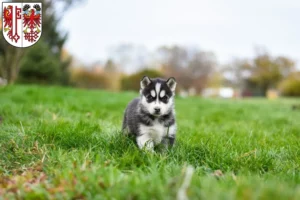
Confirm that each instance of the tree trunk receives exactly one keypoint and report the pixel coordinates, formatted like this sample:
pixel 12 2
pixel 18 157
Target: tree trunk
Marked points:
pixel 12 58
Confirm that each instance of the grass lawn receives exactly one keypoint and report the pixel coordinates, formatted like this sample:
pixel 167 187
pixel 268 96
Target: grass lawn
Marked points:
pixel 64 143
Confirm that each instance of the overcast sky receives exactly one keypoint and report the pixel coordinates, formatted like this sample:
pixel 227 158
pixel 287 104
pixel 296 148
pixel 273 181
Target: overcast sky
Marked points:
pixel 230 28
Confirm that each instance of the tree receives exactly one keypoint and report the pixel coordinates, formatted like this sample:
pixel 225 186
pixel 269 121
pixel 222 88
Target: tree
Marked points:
pixel 268 71
pixel 174 57
pixel 130 58
pixel 236 73
pixel 113 74
pixel 132 82
pixel 216 80
pixel 110 66
pixel 291 85
pixel 191 67
pixel 259 74
pixel 10 58
pixel 87 78
pixel 40 66
pixel 201 68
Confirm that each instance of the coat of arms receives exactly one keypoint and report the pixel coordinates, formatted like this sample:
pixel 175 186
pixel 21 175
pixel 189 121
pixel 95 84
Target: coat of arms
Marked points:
pixel 22 23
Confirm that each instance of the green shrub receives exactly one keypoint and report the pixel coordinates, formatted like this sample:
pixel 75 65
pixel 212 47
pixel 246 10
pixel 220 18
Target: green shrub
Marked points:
pixel 85 78
pixel 291 85
pixel 40 65
pixel 132 82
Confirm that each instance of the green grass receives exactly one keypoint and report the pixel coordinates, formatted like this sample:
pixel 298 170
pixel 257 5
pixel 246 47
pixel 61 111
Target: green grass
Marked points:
pixel 64 143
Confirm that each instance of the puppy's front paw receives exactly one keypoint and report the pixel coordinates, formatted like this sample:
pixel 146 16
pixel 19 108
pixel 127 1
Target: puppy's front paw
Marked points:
pixel 145 143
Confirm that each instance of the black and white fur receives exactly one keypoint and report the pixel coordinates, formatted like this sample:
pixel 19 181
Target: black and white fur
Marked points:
pixel 151 117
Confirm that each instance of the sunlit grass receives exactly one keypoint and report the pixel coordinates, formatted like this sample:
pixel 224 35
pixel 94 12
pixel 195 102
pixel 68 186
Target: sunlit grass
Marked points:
pixel 66 143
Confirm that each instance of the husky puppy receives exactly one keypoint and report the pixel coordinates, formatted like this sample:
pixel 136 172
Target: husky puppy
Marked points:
pixel 150 118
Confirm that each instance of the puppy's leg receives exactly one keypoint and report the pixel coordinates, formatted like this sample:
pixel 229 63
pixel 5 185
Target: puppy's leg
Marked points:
pixel 125 128
pixel 124 124
pixel 168 141
pixel 170 137
pixel 171 140
pixel 144 141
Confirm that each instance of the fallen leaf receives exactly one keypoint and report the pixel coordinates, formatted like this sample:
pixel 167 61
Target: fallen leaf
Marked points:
pixel 234 177
pixel 218 173
pixel 248 154
pixel 54 116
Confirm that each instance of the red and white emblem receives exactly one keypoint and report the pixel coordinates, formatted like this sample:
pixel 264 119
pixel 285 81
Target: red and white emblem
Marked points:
pixel 22 23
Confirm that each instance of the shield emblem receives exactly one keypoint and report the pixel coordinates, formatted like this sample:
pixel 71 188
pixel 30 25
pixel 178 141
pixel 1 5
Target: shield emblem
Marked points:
pixel 22 23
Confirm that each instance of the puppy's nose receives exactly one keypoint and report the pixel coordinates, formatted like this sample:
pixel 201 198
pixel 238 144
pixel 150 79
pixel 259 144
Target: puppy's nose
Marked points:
pixel 157 110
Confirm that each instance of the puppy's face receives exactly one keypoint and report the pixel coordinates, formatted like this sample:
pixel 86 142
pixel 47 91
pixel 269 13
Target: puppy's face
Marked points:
pixel 157 95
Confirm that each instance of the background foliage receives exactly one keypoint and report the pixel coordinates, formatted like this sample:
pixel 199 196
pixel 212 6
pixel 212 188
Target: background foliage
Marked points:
pixel 48 62
pixel 132 82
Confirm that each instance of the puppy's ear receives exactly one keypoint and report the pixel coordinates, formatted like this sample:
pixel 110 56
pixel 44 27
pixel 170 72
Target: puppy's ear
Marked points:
pixel 171 82
pixel 145 82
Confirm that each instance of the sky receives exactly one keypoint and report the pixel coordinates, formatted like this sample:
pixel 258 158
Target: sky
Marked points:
pixel 230 29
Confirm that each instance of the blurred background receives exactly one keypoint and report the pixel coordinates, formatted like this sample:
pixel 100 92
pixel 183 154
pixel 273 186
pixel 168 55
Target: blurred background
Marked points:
pixel 215 48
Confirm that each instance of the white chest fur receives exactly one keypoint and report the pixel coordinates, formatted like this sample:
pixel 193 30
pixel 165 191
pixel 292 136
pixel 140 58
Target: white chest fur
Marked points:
pixel 156 131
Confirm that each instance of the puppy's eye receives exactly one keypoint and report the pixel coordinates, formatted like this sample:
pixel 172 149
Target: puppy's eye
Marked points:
pixel 149 98
pixel 165 98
